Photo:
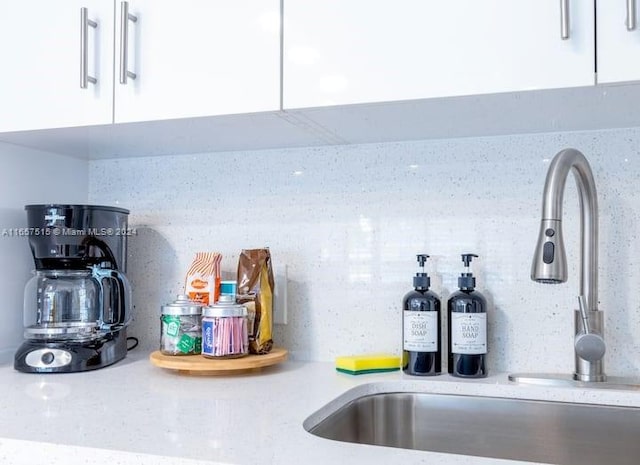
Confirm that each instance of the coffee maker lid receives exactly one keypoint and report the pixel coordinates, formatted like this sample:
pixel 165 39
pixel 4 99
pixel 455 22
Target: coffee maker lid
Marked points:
pixel 76 207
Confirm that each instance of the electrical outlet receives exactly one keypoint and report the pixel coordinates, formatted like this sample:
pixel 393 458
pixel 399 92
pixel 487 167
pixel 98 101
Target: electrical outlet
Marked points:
pixel 280 295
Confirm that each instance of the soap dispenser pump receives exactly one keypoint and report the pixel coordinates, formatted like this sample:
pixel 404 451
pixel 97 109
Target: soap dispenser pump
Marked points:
pixel 422 354
pixel 467 327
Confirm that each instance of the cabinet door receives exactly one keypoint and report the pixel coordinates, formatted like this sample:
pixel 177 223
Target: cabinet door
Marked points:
pixel 199 58
pixel 618 40
pixel 40 76
pixel 339 52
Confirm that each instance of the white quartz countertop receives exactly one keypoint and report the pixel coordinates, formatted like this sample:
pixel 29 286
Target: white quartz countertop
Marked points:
pixel 135 413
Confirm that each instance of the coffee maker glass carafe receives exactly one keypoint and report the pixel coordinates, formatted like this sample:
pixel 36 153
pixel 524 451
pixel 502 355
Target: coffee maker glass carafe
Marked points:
pixel 71 304
pixel 78 303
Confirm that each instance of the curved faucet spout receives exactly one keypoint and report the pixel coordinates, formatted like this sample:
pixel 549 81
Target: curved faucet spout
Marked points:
pixel 550 262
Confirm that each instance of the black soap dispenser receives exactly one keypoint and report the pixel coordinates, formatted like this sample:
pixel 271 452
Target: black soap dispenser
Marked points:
pixel 467 327
pixel 422 354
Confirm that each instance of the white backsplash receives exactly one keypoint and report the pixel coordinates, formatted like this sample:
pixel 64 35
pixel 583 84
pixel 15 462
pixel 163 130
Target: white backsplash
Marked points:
pixel 349 220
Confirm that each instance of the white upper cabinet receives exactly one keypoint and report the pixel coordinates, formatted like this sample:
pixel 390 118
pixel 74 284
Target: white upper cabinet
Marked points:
pixel 197 58
pixel 618 40
pixel 191 58
pixel 356 51
pixel 40 49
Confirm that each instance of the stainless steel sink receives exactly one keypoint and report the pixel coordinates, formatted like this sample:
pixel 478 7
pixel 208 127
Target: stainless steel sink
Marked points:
pixel 527 430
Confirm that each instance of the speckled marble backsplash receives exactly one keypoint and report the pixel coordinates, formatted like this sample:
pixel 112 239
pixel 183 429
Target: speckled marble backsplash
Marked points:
pixel 349 220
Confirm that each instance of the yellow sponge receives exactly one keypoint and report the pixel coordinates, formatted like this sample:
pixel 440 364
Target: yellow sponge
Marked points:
pixel 368 363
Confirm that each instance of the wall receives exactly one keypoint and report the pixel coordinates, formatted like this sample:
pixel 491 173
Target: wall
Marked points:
pixel 348 221
pixel 28 176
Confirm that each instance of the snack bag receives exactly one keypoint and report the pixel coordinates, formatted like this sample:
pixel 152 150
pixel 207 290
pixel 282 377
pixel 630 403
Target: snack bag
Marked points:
pixel 255 291
pixel 203 278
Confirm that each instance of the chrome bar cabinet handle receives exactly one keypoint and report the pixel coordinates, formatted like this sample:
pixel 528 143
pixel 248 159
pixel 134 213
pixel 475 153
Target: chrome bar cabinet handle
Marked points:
pixel 564 19
pixel 631 15
pixel 125 17
pixel 85 23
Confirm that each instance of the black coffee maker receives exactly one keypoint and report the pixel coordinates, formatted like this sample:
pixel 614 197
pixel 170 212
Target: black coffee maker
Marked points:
pixel 78 303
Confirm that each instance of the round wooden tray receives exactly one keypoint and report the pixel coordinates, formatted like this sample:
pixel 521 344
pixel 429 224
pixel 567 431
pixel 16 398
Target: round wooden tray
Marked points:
pixel 199 365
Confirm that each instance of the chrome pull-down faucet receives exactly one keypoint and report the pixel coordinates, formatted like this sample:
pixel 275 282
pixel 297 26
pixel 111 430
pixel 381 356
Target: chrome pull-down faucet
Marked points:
pixel 550 266
pixel 550 262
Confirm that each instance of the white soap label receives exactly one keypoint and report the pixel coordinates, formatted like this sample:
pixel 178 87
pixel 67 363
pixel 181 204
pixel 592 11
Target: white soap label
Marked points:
pixel 420 331
pixel 468 333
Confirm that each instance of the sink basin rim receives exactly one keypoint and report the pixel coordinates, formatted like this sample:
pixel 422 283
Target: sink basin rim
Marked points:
pixel 353 397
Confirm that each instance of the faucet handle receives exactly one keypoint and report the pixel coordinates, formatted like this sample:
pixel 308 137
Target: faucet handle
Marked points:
pixel 583 313
pixel 590 347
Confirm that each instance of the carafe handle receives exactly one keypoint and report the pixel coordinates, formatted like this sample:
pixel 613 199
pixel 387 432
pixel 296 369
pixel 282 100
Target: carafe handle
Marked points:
pixel 124 297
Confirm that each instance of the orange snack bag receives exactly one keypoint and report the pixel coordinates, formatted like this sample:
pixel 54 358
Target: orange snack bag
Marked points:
pixel 203 278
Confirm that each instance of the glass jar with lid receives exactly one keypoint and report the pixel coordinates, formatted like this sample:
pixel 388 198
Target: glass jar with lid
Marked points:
pixel 180 327
pixel 225 331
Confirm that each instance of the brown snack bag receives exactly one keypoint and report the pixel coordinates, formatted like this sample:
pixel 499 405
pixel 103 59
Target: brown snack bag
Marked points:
pixel 255 291
pixel 203 278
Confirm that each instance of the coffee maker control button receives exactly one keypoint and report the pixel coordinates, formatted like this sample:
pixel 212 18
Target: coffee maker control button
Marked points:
pixel 47 358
